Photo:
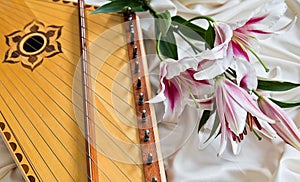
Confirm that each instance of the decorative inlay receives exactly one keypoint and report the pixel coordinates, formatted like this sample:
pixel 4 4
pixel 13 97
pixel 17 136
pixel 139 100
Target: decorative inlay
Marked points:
pixel 25 168
pixel 7 136
pixel 13 146
pixel 32 44
pixel 31 178
pixel 19 157
pixel 2 126
pixel 16 150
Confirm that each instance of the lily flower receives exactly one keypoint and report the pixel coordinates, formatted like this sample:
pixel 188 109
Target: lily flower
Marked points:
pixel 178 88
pixel 233 106
pixel 246 75
pixel 285 128
pixel 259 25
pixel 216 61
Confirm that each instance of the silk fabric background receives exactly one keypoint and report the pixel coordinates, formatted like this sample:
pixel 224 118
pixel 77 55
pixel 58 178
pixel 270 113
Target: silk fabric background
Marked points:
pixel 184 161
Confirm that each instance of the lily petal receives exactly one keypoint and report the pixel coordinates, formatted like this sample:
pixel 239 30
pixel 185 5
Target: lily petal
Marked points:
pixel 236 147
pixel 238 117
pixel 245 101
pixel 221 114
pixel 285 128
pixel 246 75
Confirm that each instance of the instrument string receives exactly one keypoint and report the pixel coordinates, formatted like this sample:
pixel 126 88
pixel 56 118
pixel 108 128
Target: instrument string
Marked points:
pixel 38 2
pixel 72 52
pixel 78 94
pixel 78 107
pixel 53 133
pixel 22 127
pixel 34 143
pixel 12 112
pixel 107 89
pixel 97 82
pixel 121 99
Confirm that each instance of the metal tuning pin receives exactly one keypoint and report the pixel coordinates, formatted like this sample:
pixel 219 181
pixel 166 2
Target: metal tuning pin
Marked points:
pixel 131 26
pixel 130 17
pixel 150 159
pixel 134 54
pixel 141 99
pixel 129 13
pixel 136 67
pixel 144 118
pixel 154 179
pixel 147 136
pixel 139 83
pixel 132 39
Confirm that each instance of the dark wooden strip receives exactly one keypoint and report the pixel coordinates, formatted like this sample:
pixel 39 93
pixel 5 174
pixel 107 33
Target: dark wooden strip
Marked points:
pixel 146 133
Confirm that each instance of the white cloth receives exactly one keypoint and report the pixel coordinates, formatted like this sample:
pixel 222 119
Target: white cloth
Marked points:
pixel 259 160
pixel 8 169
pixel 184 161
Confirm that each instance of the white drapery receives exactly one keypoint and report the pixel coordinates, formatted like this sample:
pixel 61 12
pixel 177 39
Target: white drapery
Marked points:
pixel 259 160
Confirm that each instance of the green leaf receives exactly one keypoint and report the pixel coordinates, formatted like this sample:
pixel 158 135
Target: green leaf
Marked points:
pixel 205 116
pixel 189 29
pixel 166 45
pixel 207 18
pixel 119 6
pixel 164 22
pixel 215 127
pixel 276 85
pixel 285 104
pixel 210 36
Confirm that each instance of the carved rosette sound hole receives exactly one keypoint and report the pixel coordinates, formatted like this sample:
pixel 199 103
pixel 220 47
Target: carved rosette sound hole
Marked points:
pixel 32 44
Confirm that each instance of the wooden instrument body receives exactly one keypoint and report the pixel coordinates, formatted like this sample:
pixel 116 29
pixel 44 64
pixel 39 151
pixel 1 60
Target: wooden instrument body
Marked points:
pixel 41 94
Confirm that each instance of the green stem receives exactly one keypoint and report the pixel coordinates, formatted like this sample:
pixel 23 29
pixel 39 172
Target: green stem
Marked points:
pixel 193 97
pixel 258 58
pixel 256 93
pixel 159 54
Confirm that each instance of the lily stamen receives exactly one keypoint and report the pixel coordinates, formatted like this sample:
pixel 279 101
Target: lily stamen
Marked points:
pixel 245 131
pixel 257 135
pixel 257 123
pixel 233 137
pixel 241 136
pixel 249 120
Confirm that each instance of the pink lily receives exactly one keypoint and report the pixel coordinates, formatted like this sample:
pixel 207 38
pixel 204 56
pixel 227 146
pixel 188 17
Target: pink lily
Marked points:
pixel 285 128
pixel 216 61
pixel 178 88
pixel 258 25
pixel 246 75
pixel 234 104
